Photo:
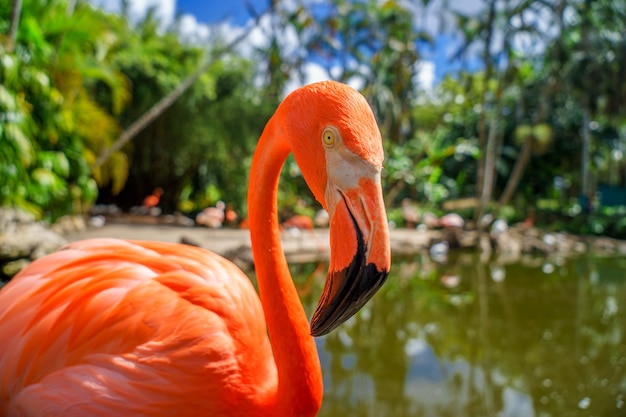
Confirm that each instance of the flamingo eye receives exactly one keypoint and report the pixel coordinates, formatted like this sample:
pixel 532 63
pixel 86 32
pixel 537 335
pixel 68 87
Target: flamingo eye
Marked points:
pixel 329 137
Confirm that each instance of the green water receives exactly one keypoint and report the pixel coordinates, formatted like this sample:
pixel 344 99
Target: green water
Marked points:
pixel 538 337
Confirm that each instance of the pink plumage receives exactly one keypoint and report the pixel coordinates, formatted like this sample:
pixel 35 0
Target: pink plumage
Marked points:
pixel 184 295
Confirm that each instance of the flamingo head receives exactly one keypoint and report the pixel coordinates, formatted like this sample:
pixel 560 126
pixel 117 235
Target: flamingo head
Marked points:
pixel 337 144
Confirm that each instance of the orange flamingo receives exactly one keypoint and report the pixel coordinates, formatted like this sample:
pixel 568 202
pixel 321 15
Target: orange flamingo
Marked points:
pixel 149 205
pixel 298 221
pixel 109 327
pixel 153 199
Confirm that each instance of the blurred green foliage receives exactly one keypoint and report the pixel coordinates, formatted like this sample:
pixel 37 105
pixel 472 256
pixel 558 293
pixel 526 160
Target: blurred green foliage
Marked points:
pixel 73 80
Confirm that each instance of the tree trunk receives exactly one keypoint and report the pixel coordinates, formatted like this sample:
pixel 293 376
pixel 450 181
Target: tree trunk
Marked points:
pixel 517 173
pixel 586 108
pixel 490 160
pixel 155 111
pixel 584 157
pixel 393 192
pixel 16 10
pixel 158 108
pixel 482 123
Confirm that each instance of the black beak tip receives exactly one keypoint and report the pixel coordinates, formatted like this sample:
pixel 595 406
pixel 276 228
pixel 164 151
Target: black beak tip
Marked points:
pixel 347 290
pixel 356 287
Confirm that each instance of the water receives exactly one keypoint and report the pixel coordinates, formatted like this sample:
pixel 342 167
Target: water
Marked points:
pixel 538 337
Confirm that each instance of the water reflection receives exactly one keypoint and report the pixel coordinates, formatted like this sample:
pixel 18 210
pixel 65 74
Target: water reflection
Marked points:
pixel 540 337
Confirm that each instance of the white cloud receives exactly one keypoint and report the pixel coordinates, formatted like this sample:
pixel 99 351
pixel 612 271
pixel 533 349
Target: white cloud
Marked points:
pixel 164 9
pixel 438 15
pixel 425 74
pixel 263 32
pixel 534 43
pixel 198 33
pixel 191 30
pixel 313 72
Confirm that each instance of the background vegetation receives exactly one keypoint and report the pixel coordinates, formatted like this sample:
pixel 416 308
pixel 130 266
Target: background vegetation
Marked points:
pixel 537 127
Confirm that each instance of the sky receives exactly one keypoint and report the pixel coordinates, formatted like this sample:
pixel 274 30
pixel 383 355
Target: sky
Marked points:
pixel 215 11
pixel 201 18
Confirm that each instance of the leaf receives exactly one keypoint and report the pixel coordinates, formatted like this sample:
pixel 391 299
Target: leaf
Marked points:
pixel 22 144
pixel 435 175
pixel 543 135
pixel 89 189
pixel 118 166
pixel 7 100
pixel 44 177
pixel 20 202
pixel 523 133
pixel 57 162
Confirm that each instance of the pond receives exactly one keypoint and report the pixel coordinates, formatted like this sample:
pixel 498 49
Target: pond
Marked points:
pixel 474 337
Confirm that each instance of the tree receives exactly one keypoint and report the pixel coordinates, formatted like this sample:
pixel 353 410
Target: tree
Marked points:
pixel 588 60
pixel 533 140
pixel 16 10
pixel 370 43
pixel 49 112
pixel 189 147
pixel 160 106
pixel 437 161
pixel 495 31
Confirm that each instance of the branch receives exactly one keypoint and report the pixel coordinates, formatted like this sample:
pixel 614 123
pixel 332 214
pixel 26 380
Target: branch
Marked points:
pixel 16 10
pixel 160 106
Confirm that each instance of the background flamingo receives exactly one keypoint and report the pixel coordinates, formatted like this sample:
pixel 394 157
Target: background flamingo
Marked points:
pixel 410 213
pixel 298 221
pixel 153 199
pixel 230 216
pixel 300 226
pixel 150 204
pixel 212 217
pixel 110 327
pixel 321 218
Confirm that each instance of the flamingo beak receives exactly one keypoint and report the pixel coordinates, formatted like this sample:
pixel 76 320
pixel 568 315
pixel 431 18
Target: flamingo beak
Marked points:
pixel 360 253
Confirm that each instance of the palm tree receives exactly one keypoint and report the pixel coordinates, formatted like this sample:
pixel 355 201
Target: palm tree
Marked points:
pixel 16 10
pixel 534 140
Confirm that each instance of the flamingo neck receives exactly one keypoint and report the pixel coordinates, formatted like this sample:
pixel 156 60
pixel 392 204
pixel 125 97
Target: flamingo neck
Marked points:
pixel 299 374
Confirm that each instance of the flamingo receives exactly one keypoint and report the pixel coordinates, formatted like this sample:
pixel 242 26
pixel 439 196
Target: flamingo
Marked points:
pixel 297 224
pixel 150 204
pixel 298 221
pixel 212 217
pixel 109 327
pixel 153 199
pixel 230 215
pixel 451 220
pixel 321 218
pixel 410 213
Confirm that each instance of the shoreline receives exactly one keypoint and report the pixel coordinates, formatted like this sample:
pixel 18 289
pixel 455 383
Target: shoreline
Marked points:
pixel 301 246
pixel 23 239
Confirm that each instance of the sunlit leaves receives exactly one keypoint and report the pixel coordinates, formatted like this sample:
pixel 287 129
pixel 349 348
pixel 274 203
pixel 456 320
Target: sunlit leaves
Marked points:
pixel 541 136
pixel 54 162
pixel 19 142
pixel 45 186
pixel 428 165
pixel 43 88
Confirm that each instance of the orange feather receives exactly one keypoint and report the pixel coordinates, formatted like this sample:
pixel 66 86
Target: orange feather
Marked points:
pixel 107 327
pixel 167 304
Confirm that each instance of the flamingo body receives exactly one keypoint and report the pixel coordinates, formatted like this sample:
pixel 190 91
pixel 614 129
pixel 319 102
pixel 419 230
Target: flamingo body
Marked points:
pixel 298 221
pixel 186 315
pixel 212 217
pixel 153 199
pixel 114 328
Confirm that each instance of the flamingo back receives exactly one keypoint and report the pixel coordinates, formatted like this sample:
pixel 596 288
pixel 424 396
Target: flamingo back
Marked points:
pixel 111 327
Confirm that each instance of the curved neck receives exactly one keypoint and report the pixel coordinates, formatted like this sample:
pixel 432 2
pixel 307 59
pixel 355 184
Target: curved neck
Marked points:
pixel 299 374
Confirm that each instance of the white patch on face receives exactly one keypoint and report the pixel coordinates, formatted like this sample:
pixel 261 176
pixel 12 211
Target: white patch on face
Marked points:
pixel 344 170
